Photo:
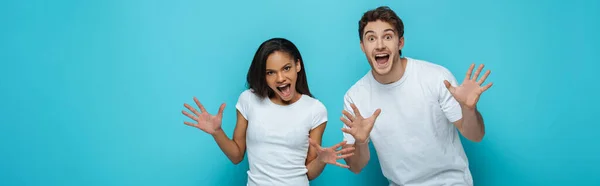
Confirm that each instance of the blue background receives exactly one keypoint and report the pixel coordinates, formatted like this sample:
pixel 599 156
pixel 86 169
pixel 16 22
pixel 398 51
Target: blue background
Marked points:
pixel 92 92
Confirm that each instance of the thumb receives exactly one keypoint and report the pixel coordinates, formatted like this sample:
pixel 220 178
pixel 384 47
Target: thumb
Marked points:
pixel 313 143
pixel 347 131
pixel 449 86
pixel 221 109
pixel 341 144
pixel 376 113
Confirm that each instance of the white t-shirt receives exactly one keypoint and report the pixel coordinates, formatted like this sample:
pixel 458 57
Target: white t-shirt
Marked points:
pixel 277 138
pixel 414 137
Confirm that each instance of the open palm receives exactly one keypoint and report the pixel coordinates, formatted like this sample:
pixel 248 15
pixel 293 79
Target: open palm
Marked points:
pixel 203 120
pixel 359 127
pixel 468 93
pixel 331 155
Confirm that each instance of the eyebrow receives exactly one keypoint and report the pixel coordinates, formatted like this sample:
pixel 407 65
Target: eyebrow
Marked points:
pixel 289 63
pixel 386 30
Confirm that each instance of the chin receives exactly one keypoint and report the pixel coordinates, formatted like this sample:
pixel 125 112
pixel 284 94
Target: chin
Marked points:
pixel 382 70
pixel 286 100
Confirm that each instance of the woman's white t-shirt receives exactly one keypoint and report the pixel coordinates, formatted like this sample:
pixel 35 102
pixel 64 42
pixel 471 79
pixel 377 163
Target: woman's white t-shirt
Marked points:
pixel 277 138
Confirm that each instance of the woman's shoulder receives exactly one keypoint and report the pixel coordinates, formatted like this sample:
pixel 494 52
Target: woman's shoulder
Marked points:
pixel 247 92
pixel 314 102
pixel 248 95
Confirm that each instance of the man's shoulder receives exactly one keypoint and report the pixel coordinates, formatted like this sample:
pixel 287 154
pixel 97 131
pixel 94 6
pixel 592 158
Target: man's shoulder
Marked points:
pixel 361 86
pixel 431 72
pixel 428 66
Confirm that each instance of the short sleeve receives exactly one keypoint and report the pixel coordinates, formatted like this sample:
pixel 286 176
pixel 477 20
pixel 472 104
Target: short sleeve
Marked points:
pixel 243 102
pixel 448 104
pixel 319 115
pixel 347 101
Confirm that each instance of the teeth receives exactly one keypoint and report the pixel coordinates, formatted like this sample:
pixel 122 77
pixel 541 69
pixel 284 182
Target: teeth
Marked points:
pixel 381 55
pixel 283 86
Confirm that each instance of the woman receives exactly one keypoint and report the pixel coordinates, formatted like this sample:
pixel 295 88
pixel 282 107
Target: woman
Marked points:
pixel 277 118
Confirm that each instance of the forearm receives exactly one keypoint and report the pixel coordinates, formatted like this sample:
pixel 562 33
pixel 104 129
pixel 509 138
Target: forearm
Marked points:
pixel 472 126
pixel 229 147
pixel 360 158
pixel 315 168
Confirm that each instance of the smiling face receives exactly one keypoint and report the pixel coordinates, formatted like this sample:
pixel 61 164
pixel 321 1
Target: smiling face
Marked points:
pixel 381 45
pixel 281 76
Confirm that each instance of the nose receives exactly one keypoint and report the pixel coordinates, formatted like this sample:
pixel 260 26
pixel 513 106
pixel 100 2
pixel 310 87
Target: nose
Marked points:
pixel 280 78
pixel 379 44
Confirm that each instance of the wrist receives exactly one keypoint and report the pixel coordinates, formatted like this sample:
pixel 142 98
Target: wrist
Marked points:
pixel 320 160
pixel 217 132
pixel 468 108
pixel 361 142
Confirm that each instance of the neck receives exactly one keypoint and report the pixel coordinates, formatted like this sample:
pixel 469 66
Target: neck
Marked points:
pixel 277 100
pixel 395 74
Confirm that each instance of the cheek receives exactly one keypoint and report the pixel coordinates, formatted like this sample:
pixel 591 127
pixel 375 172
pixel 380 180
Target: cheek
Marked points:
pixel 392 44
pixel 270 81
pixel 292 74
pixel 369 48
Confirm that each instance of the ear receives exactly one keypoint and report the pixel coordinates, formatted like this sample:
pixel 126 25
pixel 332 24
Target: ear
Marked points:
pixel 362 47
pixel 298 66
pixel 401 43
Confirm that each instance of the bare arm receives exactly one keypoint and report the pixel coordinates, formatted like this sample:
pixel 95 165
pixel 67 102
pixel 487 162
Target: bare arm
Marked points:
pixel 361 156
pixel 314 166
pixel 467 94
pixel 318 156
pixel 234 148
pixel 471 126
pixel 360 129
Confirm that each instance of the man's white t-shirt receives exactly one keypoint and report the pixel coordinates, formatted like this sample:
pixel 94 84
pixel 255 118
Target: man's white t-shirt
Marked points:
pixel 414 137
pixel 277 138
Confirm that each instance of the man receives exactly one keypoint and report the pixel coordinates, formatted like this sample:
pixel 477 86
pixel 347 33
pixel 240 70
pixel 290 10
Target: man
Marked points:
pixel 410 110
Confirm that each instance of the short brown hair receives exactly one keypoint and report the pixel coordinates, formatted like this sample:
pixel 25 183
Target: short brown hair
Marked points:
pixel 382 13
